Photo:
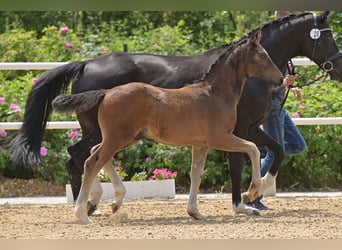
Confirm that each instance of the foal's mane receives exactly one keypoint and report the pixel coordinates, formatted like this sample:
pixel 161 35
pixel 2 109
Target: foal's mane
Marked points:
pixel 228 47
pixel 228 50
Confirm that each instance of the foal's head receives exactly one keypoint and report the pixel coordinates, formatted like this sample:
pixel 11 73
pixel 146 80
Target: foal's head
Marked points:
pixel 258 63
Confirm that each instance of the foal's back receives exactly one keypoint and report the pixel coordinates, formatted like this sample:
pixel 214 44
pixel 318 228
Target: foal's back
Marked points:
pixel 170 116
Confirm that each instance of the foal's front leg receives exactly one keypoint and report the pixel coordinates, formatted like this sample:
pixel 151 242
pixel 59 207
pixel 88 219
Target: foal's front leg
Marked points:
pixel 199 156
pixel 231 143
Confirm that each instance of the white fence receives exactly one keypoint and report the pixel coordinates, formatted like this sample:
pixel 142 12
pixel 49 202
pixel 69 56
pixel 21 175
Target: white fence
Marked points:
pixel 75 124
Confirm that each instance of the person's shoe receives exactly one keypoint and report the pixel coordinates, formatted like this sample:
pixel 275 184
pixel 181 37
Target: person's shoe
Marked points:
pixel 258 205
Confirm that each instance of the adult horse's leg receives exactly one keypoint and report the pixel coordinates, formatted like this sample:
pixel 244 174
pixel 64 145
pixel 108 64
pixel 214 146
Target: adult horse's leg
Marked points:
pixel 237 161
pixel 79 152
pixel 75 172
pixel 199 156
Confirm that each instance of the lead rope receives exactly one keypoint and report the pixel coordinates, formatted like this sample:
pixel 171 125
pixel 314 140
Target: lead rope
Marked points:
pixel 291 71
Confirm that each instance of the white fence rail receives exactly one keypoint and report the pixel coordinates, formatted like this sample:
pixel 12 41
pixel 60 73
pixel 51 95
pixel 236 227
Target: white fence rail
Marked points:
pixel 75 124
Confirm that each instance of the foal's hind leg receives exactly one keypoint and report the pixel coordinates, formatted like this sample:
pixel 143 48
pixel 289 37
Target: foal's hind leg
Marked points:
pixel 199 156
pixel 119 188
pixel 95 192
pixel 94 197
pixel 92 167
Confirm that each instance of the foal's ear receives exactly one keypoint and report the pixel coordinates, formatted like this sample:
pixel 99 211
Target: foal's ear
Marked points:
pixel 256 36
pixel 324 15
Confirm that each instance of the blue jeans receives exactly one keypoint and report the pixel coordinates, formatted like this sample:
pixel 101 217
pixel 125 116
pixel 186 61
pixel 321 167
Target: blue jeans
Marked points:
pixel 280 127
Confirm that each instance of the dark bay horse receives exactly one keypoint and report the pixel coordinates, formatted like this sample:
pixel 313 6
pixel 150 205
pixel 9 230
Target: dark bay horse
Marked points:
pixel 202 115
pixel 283 39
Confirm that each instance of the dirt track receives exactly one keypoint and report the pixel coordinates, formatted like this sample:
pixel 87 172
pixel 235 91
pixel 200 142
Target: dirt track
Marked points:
pixel 291 218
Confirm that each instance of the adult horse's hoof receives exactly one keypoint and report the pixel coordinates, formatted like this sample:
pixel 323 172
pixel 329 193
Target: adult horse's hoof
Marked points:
pixel 247 210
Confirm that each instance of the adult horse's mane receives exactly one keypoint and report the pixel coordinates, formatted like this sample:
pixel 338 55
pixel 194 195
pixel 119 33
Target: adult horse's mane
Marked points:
pixel 277 21
pixel 227 46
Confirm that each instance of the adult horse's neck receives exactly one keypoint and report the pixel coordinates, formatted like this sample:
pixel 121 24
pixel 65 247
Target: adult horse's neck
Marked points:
pixel 284 39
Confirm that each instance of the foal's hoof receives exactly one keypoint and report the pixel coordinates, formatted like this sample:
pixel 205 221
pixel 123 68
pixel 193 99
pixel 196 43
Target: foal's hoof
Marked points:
pixel 91 208
pixel 82 216
pixel 195 214
pixel 115 207
pixel 198 216
pixel 245 198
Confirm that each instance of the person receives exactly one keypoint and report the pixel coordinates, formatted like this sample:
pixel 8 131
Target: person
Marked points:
pixel 279 125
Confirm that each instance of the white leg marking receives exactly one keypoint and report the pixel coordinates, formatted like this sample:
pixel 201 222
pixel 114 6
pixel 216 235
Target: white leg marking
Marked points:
pixel 118 186
pixel 199 156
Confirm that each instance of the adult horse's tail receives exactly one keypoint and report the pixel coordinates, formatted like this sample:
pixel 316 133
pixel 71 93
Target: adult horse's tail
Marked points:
pixel 78 102
pixel 24 149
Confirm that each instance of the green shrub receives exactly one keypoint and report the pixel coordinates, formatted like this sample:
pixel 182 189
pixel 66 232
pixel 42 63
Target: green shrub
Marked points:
pixel 320 166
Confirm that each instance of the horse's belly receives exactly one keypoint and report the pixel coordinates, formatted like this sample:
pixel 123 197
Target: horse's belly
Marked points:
pixel 176 136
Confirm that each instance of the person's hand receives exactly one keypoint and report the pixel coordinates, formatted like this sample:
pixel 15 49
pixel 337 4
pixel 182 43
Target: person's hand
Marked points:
pixel 289 80
pixel 297 93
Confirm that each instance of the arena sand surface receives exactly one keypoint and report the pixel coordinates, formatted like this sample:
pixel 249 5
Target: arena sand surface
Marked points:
pixel 291 218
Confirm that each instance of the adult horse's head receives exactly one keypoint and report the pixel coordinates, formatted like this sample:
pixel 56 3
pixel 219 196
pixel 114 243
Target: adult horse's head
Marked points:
pixel 305 34
pixel 322 47
pixel 259 64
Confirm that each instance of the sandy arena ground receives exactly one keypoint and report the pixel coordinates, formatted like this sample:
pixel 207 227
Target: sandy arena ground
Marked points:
pixel 291 218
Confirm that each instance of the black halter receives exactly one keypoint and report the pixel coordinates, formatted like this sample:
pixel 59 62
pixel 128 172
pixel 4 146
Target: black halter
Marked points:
pixel 315 34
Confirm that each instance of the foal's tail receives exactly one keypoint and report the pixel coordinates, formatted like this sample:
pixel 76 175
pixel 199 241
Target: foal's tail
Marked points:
pixel 78 102
pixel 24 149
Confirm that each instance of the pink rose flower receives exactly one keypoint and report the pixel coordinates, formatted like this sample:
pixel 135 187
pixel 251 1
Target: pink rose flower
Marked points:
pixel 73 133
pixel 15 107
pixel 43 151
pixel 63 30
pixel 3 133
pixel 295 115
pixel 68 46
pixel 35 80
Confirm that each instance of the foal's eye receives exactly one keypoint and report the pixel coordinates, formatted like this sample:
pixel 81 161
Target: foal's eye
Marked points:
pixel 263 56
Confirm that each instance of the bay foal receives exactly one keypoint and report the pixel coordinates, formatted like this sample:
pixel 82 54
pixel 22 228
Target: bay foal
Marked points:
pixel 202 115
